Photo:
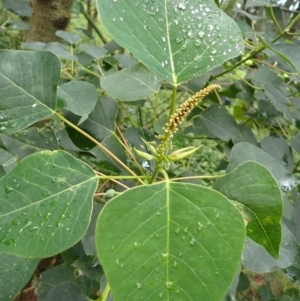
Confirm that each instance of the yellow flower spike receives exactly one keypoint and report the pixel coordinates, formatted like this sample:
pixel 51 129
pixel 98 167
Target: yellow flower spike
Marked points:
pixel 182 153
pixel 185 108
pixel 143 154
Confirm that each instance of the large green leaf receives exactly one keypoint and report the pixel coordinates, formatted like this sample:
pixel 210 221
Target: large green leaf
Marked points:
pixel 45 204
pixel 27 87
pixel 177 40
pixel 253 185
pixel 132 83
pixel 15 271
pixel 174 241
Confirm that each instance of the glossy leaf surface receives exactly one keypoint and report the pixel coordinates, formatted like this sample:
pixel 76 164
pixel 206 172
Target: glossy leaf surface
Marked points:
pixel 46 204
pixel 177 40
pixel 28 88
pixel 171 241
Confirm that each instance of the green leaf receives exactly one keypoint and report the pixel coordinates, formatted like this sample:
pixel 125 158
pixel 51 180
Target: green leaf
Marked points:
pixel 177 40
pixel 289 52
pixel 252 185
pixel 131 83
pixel 160 241
pixel 78 97
pixel 7 160
pixel 58 275
pixel 256 259
pixel 95 51
pixel 59 50
pixel 21 8
pixel 278 148
pixel 65 291
pixel 16 272
pixel 26 99
pixel 243 152
pixel 101 121
pixel 219 122
pixel 71 38
pixel 30 141
pixel 46 204
pixel 88 241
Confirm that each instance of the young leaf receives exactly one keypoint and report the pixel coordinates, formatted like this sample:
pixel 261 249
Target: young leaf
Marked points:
pixel 254 186
pixel 45 204
pixel 26 99
pixel 171 241
pixel 177 40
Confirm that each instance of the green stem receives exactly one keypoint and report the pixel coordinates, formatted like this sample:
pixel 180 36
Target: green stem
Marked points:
pixel 121 177
pixel 173 101
pixel 258 50
pixel 95 27
pixel 105 293
pixel 103 148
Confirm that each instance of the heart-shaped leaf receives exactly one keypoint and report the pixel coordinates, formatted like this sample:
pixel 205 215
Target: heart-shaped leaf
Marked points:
pixel 253 185
pixel 45 204
pixel 174 241
pixel 26 99
pixel 177 40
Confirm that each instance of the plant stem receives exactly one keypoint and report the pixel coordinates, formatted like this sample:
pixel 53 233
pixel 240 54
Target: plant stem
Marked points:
pixel 173 101
pixel 105 293
pixel 103 148
pixel 95 27
pixel 122 177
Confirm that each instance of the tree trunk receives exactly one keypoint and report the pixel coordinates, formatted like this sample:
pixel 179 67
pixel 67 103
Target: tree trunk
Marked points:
pixel 47 17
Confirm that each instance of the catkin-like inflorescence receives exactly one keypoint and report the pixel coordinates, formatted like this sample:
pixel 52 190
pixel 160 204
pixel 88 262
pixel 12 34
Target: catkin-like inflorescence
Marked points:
pixel 185 108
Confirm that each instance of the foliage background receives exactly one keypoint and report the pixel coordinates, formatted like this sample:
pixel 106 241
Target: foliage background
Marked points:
pixel 260 91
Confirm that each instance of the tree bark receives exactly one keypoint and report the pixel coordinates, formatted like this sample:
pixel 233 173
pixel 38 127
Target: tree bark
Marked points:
pixel 47 17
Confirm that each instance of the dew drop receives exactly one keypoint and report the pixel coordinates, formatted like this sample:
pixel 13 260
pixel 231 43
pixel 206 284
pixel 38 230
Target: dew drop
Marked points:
pixel 192 241
pixel 175 264
pixel 169 284
pixel 184 47
pixel 157 235
pixel 201 34
pixel 197 43
pixel 183 237
pixel 9 242
pixel 185 230
pixel 160 295
pixel 190 34
pixel 163 39
pixel 213 51
pixel 136 245
pixel 112 248
pixel 181 6
pixel 15 222
pixel 138 285
pixel 177 40
pixel 200 226
pixel 177 230
pixel 180 255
